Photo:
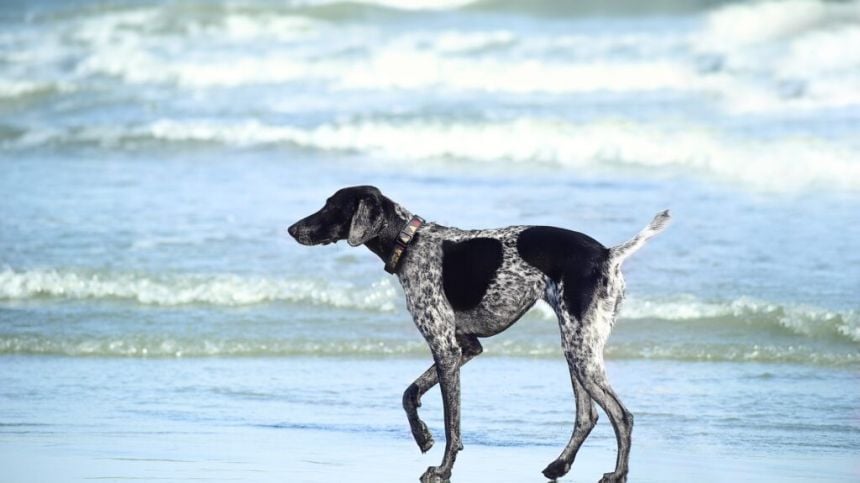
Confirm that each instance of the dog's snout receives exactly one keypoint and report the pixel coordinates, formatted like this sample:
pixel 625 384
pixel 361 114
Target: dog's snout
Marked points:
pixel 293 230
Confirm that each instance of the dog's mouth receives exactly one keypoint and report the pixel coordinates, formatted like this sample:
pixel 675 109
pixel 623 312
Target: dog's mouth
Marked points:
pixel 309 236
pixel 310 242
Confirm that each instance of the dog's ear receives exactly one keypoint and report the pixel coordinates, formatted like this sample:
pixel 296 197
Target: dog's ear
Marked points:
pixel 367 221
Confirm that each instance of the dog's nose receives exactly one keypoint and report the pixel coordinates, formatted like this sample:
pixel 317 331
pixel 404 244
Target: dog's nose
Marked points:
pixel 292 230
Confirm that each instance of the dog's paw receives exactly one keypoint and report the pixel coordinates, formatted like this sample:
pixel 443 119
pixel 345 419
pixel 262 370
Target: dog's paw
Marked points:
pixel 434 474
pixel 614 477
pixel 556 469
pixel 422 436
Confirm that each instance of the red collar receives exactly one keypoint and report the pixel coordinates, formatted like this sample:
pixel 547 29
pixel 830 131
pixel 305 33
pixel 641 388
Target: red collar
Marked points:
pixel 402 241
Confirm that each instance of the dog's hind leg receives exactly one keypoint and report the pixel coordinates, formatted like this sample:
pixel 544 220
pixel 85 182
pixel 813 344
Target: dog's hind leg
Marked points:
pixel 586 413
pixel 586 419
pixel 593 378
pixel 586 353
pixel 471 348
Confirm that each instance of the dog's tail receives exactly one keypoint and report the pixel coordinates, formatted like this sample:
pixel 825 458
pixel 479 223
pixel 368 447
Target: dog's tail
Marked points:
pixel 618 254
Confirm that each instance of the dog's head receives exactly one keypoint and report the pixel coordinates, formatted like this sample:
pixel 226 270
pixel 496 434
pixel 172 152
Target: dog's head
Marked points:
pixel 354 214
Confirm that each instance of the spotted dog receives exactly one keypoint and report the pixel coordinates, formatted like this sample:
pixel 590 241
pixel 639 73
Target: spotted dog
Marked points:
pixel 462 285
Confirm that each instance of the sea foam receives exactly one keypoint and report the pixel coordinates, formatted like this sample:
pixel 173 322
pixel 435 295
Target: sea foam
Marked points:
pixel 761 57
pixel 784 55
pixel 382 296
pixel 218 290
pixel 166 345
pixel 786 165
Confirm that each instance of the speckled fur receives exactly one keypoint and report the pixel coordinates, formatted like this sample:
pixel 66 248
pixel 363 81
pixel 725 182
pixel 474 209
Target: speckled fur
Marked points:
pixel 453 335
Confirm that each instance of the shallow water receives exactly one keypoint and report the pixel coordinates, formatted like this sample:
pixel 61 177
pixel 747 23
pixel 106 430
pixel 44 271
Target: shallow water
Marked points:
pixel 314 419
pixel 152 157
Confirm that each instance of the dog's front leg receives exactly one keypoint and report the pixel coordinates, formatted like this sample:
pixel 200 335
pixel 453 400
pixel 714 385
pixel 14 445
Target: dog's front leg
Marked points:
pixel 470 347
pixel 448 372
pixel 436 321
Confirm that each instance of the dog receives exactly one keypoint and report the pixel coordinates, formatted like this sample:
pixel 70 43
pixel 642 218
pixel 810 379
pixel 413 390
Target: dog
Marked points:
pixel 463 285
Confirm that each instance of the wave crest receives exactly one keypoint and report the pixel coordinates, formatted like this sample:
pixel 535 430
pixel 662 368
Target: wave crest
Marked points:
pixel 224 290
pixel 800 319
pixel 801 163
pixel 759 57
pixel 233 290
pixel 777 55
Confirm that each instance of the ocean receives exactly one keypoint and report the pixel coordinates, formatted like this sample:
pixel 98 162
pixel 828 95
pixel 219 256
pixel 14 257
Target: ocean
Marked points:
pixel 157 322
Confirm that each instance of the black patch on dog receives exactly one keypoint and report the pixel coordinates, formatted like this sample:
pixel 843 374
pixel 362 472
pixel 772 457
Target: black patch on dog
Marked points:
pixel 566 256
pixel 468 267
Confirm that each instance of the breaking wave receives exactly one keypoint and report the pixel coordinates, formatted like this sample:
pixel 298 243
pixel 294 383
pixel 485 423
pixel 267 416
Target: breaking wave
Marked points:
pixel 743 313
pixel 690 313
pixel 758 57
pixel 799 319
pixel 775 55
pixel 218 290
pixel 784 165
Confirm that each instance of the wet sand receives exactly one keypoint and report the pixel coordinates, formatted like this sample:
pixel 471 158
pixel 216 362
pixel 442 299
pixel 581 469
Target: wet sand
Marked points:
pixel 323 420
pixel 242 454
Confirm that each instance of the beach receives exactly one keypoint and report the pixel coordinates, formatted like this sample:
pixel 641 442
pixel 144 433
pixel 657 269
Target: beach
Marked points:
pixel 158 323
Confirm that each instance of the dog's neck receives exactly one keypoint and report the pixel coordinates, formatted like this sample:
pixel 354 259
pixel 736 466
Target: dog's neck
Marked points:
pixel 396 217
